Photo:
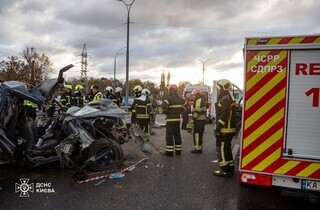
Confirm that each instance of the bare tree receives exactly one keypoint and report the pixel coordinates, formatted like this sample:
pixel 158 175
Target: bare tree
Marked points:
pixel 38 66
pixel 12 69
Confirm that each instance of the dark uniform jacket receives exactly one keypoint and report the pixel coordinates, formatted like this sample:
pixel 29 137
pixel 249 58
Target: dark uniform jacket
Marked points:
pixel 142 107
pixel 112 97
pixel 226 115
pixel 173 106
pixel 78 99
pixel 67 99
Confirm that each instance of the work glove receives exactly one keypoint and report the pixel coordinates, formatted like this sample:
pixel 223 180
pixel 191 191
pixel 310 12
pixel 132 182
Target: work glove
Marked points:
pixel 216 131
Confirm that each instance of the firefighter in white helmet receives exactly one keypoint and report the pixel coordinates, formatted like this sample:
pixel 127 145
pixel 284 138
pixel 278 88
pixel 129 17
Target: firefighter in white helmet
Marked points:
pixel 109 94
pixel 137 93
pixel 118 96
pixel 143 110
pixel 225 128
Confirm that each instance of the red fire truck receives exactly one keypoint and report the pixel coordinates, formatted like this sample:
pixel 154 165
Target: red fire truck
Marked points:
pixel 280 144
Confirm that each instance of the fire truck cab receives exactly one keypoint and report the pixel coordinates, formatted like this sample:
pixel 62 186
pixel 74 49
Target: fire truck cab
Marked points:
pixel 280 144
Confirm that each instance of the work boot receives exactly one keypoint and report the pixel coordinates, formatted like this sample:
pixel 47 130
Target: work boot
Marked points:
pixel 231 170
pixel 178 152
pixel 196 151
pixel 221 174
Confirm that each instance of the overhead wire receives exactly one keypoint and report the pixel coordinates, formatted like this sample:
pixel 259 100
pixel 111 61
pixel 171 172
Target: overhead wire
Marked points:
pixel 95 34
pixel 202 28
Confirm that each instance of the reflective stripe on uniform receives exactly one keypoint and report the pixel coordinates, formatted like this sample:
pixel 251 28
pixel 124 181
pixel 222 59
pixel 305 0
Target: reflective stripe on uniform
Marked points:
pixel 178 147
pixel 169 148
pixel 223 161
pixel 143 116
pixel 197 138
pixel 228 130
pixel 176 106
pixel 221 122
pixel 173 120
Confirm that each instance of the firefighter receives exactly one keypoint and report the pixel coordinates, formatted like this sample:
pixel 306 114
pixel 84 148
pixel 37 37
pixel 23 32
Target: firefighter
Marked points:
pixel 137 93
pixel 31 108
pixel 118 96
pixel 66 98
pixel 199 120
pixel 109 94
pixel 186 112
pixel 77 96
pixel 173 107
pixel 225 128
pixel 97 95
pixel 147 93
pixel 143 110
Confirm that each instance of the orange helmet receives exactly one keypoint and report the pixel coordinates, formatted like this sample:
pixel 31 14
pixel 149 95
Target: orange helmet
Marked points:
pixel 173 88
pixel 196 92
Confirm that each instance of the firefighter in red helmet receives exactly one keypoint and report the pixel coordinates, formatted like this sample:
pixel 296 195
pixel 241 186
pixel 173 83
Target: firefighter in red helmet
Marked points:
pixel 173 107
pixel 225 128
pixel 199 120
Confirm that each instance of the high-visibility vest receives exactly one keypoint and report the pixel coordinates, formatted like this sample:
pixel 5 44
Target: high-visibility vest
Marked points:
pixel 97 96
pixel 199 109
pixel 30 104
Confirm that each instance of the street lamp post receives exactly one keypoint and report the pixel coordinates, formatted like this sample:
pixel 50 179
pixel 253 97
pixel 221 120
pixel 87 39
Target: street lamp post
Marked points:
pixel 115 66
pixel 203 64
pixel 128 6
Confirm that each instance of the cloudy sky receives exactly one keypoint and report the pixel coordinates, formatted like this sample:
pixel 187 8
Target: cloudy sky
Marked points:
pixel 165 35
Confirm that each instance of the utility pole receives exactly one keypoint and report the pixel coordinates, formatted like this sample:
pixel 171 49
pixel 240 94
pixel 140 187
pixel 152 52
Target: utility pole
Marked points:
pixel 115 66
pixel 162 85
pixel 84 65
pixel 203 64
pixel 128 6
pixel 168 78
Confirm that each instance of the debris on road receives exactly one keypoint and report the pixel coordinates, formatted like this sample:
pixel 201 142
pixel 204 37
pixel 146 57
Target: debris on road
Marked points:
pixel 118 186
pixel 128 169
pixel 161 165
pixel 100 182
pixel 116 175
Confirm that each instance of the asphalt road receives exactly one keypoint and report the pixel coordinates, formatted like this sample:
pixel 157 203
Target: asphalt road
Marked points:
pixel 161 182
